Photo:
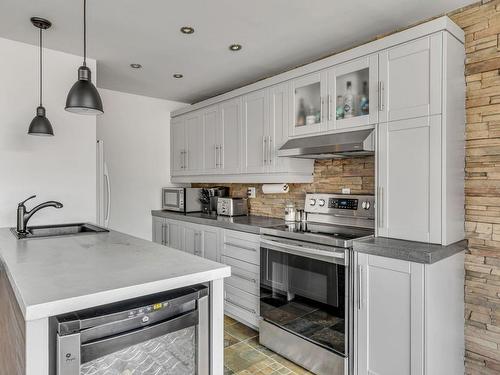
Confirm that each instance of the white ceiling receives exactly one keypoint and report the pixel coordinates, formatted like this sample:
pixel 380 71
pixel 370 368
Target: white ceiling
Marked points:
pixel 276 35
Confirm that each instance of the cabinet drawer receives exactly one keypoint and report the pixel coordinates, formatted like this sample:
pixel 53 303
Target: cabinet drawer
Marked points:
pixel 241 304
pixel 241 246
pixel 244 276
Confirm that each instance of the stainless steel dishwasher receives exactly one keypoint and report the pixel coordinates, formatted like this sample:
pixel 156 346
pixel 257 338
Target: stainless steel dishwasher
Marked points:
pixel 161 334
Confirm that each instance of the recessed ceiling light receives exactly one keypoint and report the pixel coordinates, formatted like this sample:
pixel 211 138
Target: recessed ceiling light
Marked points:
pixel 187 30
pixel 136 66
pixel 178 75
pixel 235 47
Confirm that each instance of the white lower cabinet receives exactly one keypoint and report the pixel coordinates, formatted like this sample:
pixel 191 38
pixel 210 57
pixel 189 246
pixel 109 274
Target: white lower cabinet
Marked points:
pixel 408 316
pixel 192 238
pixel 210 241
pixel 241 251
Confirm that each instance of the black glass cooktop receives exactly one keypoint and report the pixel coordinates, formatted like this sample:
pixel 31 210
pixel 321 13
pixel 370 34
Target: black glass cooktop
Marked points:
pixel 341 232
pixel 338 235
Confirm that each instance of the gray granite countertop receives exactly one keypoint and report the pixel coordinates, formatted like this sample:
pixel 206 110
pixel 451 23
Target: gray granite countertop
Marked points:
pixel 250 224
pixel 419 252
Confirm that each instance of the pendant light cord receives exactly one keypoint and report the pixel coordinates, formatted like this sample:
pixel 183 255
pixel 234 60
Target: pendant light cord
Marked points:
pixel 84 32
pixel 41 71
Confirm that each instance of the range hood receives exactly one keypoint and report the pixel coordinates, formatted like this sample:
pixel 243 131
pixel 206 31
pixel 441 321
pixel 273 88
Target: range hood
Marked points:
pixel 331 146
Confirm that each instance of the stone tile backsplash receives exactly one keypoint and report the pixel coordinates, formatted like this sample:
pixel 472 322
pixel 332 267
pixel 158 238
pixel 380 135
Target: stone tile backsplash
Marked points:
pixel 330 176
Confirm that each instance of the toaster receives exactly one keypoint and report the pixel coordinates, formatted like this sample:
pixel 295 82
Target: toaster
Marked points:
pixel 232 206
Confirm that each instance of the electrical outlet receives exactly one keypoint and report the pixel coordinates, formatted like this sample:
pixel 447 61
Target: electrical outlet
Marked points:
pixel 346 190
pixel 251 192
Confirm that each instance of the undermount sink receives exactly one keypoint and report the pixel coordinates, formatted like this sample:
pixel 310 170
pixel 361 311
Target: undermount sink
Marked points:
pixel 58 230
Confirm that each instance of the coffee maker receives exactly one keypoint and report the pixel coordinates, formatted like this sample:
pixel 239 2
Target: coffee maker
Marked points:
pixel 213 194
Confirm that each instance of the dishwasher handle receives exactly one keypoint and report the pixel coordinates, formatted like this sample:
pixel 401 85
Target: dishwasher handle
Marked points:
pixel 100 348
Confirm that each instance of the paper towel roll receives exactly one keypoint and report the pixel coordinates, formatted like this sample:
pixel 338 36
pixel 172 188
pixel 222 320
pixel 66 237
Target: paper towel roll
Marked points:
pixel 275 188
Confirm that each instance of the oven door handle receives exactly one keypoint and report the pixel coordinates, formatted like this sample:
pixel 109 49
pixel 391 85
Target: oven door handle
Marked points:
pixel 100 348
pixel 302 250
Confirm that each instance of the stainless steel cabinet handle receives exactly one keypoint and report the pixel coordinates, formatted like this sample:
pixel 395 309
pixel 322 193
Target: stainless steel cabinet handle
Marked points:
pixel 240 306
pixel 240 246
pixel 216 155
pixel 163 234
pixel 380 96
pixel 186 160
pixel 269 144
pixel 264 141
pixel 167 231
pixel 360 271
pixel 329 107
pixel 183 159
pixel 239 276
pixel 321 110
pixel 380 207
pixel 221 155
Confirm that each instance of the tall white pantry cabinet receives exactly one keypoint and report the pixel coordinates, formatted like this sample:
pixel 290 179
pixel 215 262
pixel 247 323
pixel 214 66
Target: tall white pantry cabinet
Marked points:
pixel 409 315
pixel 421 141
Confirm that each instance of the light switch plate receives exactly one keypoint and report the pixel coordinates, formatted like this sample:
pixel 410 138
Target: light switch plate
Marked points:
pixel 346 190
pixel 251 192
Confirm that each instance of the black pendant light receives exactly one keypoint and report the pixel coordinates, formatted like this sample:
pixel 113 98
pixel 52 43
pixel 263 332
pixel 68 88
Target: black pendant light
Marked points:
pixel 83 98
pixel 40 125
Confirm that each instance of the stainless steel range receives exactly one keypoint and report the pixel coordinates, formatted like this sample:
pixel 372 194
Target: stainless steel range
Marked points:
pixel 306 283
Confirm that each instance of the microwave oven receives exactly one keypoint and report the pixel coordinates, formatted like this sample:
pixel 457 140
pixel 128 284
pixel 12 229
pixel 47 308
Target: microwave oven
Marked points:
pixel 180 199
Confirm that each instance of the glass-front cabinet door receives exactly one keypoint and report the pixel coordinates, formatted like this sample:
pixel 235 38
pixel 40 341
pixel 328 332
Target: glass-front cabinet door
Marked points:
pixel 307 104
pixel 353 93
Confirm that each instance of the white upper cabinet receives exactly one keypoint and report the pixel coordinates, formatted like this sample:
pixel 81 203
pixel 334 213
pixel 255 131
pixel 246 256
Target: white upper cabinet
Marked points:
pixel 186 145
pixel 212 134
pixel 409 85
pixel 308 104
pixel 353 93
pixel 177 146
pixel 278 125
pixel 411 79
pixel 193 155
pixel 409 179
pixel 256 139
pixel 230 147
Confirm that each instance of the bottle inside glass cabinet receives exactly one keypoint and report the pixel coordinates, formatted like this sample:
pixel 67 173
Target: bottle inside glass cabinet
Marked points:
pixel 363 101
pixel 311 116
pixel 301 116
pixel 308 104
pixel 348 101
pixel 340 107
pixel 352 90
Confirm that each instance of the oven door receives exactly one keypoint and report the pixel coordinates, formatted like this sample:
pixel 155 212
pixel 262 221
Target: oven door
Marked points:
pixel 173 199
pixel 304 290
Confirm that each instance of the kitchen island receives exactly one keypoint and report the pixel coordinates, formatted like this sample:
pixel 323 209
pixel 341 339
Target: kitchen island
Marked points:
pixel 45 277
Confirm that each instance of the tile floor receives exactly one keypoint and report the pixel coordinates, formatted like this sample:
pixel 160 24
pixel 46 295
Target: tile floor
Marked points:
pixel 243 355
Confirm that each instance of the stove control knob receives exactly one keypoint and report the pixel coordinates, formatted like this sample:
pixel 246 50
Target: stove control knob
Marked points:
pixel 312 202
pixel 365 205
pixel 321 202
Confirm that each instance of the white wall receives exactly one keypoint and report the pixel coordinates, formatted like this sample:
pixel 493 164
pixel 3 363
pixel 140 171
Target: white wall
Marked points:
pixel 136 134
pixel 58 168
